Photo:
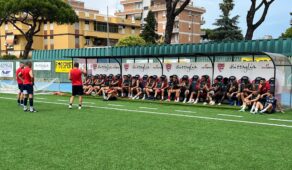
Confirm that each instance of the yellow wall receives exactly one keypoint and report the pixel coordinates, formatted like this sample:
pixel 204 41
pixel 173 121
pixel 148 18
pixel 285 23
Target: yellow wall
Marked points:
pixel 64 35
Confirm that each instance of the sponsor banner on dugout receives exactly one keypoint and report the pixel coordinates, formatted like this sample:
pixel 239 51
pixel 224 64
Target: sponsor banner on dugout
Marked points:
pixel 6 69
pixel 42 66
pixel 63 66
pixel 263 69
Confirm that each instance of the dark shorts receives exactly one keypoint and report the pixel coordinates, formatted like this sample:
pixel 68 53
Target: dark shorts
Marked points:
pixel 27 89
pixel 20 87
pixel 77 90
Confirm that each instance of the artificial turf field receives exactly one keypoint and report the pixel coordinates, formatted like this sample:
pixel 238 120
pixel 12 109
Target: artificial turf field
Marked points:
pixel 140 135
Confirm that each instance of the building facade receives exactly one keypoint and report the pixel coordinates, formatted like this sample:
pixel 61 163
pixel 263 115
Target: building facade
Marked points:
pixel 187 27
pixel 90 31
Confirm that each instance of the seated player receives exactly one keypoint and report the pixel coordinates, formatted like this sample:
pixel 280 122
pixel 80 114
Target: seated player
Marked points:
pixel 269 106
pixel 125 88
pixel 134 88
pixel 87 83
pixel 256 83
pixel 142 85
pixel 149 87
pixel 98 83
pixel 232 90
pixel 110 94
pixel 215 92
pixel 224 89
pixel 160 87
pixel 194 86
pixel 117 82
pixel 184 88
pixel 173 88
pixel 203 89
pixel 107 83
pixel 92 85
pixel 250 100
pixel 245 89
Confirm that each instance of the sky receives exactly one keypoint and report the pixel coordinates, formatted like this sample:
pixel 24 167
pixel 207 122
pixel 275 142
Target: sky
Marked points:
pixel 277 20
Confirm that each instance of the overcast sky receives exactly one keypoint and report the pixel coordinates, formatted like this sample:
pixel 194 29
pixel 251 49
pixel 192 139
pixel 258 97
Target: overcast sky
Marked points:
pixel 277 21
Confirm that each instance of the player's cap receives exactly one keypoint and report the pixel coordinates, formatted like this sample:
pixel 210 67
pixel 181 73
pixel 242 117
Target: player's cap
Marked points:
pixel 232 78
pixel 185 77
pixel 219 78
pixel 163 77
pixel 195 77
pixel 145 77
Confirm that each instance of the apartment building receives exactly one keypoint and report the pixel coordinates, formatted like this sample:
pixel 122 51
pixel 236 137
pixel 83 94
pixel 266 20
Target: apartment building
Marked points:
pixel 187 27
pixel 90 31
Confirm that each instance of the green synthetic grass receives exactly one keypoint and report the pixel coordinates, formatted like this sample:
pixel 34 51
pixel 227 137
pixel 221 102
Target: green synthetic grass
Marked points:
pixel 105 136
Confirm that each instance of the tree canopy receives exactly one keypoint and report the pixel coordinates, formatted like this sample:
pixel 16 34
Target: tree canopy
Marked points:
pixel 227 28
pixel 131 41
pixel 287 33
pixel 33 13
pixel 149 31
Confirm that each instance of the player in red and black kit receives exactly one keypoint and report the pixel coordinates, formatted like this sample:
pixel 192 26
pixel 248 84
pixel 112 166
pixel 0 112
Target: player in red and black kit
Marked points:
pixel 20 84
pixel 26 76
pixel 75 75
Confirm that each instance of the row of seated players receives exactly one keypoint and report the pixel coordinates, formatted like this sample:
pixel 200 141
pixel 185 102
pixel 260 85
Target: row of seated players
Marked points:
pixel 249 94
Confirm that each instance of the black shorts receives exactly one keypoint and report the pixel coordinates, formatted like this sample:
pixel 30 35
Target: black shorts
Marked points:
pixel 27 89
pixel 77 90
pixel 20 87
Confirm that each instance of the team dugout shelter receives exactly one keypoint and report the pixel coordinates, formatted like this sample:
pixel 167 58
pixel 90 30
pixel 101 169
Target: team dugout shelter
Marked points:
pixel 230 58
pixel 275 68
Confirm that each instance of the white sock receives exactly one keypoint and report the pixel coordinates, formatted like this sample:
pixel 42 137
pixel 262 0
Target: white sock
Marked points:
pixel 252 108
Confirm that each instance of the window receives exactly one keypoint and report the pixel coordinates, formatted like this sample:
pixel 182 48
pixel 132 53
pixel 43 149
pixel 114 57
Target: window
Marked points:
pixel 102 27
pixel 138 5
pixel 45 26
pixel 51 26
pixel 86 26
pixel 87 41
pixel 133 30
pixel 190 38
pixel 190 26
pixel 163 26
pixel 86 14
pixel 76 26
pixel 52 42
pixel 164 13
pixel 77 42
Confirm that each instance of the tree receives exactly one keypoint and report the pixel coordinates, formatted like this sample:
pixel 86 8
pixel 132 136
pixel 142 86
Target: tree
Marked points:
pixel 209 34
pixel 32 14
pixel 172 10
pixel 227 27
pixel 287 34
pixel 131 41
pixel 148 33
pixel 254 8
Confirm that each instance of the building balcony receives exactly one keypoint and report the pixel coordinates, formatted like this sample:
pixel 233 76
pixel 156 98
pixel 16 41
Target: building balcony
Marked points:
pixel 98 34
pixel 130 1
pixel 129 12
pixel 175 30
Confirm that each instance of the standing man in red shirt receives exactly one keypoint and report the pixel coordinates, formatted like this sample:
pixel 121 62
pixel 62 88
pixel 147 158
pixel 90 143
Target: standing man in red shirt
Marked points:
pixel 28 82
pixel 75 75
pixel 20 84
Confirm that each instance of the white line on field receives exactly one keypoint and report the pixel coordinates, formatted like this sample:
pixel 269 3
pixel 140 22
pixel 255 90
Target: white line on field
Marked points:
pixel 170 114
pixel 148 108
pixel 185 111
pixel 88 102
pixel 63 100
pixel 229 115
pixel 281 120
pixel 40 98
pixel 117 105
